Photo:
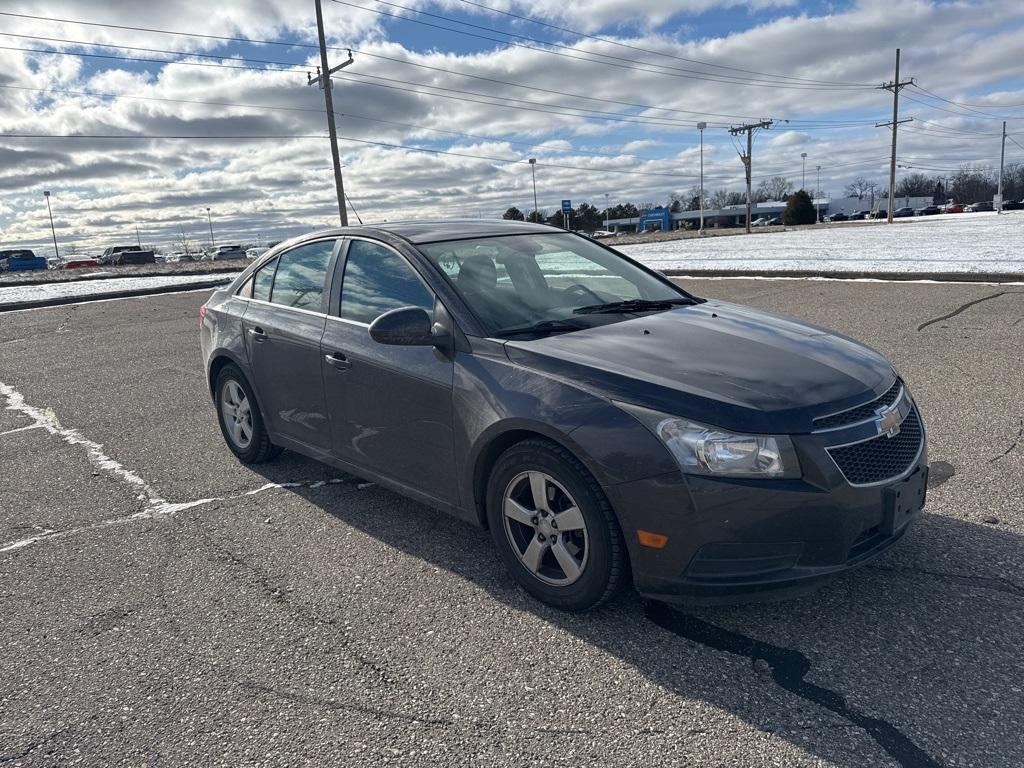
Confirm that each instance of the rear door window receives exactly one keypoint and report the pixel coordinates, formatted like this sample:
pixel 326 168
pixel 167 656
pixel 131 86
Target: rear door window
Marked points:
pixel 301 273
pixel 264 281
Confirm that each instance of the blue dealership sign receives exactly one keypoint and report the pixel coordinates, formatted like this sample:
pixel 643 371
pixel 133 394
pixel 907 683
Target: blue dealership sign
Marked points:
pixel 567 206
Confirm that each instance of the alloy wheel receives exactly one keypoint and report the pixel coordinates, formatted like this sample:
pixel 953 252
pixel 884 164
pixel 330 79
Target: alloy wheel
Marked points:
pixel 237 414
pixel 545 528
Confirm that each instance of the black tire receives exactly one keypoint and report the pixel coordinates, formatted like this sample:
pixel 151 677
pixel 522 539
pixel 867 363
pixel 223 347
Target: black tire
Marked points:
pixel 606 567
pixel 259 448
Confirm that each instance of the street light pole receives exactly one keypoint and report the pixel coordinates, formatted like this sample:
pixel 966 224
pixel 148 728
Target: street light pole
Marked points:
pixel 53 231
pixel 209 217
pixel 817 197
pixel 605 211
pixel 700 127
pixel 803 171
pixel 533 172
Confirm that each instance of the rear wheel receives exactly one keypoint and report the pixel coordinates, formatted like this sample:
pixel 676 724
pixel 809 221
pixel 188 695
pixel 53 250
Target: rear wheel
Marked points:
pixel 240 419
pixel 554 527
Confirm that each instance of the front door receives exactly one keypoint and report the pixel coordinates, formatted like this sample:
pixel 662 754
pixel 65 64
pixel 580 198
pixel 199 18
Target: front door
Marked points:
pixel 390 406
pixel 284 324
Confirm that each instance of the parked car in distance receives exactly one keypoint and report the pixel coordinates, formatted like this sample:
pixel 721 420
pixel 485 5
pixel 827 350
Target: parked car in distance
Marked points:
pixel 78 262
pixel 597 418
pixel 837 216
pixel 20 260
pixel 1013 205
pixel 954 208
pixel 760 221
pixel 775 221
pixel 981 207
pixel 902 213
pixel 860 215
pixel 929 210
pixel 127 254
pixel 881 213
pixel 225 252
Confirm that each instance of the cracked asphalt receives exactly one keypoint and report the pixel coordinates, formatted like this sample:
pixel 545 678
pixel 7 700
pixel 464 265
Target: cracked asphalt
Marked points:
pixel 214 614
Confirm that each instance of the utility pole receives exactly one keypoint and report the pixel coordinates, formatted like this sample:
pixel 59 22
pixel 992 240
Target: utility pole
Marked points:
pixel 701 126
pixel 53 231
pixel 533 172
pixel 323 79
pixel 1002 157
pixel 895 86
pixel 803 171
pixel 817 197
pixel 749 129
pixel 138 238
pixel 605 211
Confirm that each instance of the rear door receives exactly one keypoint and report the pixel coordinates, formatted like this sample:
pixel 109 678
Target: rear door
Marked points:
pixel 390 406
pixel 284 323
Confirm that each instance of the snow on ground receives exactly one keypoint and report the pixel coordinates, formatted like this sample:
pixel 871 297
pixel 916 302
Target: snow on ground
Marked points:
pixel 970 242
pixel 91 288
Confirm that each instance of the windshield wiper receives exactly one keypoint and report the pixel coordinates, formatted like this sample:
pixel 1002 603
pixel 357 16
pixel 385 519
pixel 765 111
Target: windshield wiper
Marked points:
pixel 542 328
pixel 632 305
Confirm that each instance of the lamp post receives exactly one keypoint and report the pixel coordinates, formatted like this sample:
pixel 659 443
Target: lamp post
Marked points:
pixel 701 126
pixel 817 197
pixel 533 173
pixel 53 232
pixel 209 218
pixel 605 211
pixel 803 171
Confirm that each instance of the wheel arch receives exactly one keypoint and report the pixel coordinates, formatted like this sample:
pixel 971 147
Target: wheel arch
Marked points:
pixel 500 438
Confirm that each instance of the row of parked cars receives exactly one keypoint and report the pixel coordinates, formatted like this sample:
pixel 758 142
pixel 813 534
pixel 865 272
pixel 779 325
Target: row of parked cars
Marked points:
pixel 24 259
pixel 927 210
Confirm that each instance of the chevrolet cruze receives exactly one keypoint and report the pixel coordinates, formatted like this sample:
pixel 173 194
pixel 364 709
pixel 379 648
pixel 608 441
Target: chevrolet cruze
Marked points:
pixel 603 423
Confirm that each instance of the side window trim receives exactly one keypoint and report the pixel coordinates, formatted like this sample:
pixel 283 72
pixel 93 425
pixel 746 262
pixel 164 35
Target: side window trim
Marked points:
pixel 339 277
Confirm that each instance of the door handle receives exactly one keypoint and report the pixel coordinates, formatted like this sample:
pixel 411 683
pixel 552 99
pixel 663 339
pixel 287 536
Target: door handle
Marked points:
pixel 257 334
pixel 338 361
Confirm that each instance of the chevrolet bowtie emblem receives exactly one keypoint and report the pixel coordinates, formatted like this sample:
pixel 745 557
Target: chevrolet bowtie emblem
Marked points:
pixel 889 421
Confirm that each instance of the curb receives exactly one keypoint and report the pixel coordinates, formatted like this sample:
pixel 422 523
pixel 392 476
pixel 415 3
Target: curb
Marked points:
pixel 951 277
pixel 59 301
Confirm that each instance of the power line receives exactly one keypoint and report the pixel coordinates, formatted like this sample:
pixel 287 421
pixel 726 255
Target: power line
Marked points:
pixel 653 52
pixel 678 73
pixel 152 61
pixel 971 107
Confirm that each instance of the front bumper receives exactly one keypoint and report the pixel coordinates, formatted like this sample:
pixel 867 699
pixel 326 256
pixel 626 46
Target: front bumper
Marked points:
pixel 749 540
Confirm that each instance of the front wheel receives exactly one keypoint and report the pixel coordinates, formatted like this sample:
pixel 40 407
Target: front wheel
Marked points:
pixel 240 419
pixel 553 526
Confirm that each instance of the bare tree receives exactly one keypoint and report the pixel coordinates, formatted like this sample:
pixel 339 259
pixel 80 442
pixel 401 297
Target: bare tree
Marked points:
pixel 185 243
pixel 860 187
pixel 774 188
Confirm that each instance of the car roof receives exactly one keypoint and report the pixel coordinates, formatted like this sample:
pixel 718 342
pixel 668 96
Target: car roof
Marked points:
pixel 432 231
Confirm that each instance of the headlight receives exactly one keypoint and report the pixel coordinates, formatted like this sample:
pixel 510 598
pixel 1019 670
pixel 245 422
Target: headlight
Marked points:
pixel 703 450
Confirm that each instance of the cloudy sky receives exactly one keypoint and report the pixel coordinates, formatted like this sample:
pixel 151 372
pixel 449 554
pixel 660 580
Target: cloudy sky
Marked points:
pixel 446 100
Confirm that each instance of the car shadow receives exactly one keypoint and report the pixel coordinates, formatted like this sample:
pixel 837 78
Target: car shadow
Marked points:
pixel 917 651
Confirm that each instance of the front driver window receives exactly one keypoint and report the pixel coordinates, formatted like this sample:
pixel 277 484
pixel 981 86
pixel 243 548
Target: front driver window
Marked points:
pixel 377 280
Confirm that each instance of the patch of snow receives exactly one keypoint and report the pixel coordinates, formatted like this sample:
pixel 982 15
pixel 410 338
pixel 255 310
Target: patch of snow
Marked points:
pixel 966 242
pixel 87 288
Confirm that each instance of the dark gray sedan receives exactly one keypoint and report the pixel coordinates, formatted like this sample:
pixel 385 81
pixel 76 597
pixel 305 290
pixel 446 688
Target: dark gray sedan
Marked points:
pixel 603 423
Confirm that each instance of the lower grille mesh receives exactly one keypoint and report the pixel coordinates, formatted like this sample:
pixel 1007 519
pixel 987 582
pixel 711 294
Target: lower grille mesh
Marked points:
pixel 881 457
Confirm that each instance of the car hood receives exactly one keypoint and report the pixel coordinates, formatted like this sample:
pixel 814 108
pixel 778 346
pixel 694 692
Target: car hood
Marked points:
pixel 722 364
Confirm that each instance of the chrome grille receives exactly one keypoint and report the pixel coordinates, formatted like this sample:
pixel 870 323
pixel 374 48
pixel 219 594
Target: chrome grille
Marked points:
pixel 881 458
pixel 860 412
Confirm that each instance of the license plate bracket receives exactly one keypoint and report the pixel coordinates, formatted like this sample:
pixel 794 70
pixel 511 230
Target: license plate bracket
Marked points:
pixel 903 501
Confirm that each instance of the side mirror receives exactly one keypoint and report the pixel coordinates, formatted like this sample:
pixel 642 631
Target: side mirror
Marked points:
pixel 405 326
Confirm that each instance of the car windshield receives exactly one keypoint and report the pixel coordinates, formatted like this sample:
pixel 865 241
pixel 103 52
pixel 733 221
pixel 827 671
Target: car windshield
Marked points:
pixel 548 283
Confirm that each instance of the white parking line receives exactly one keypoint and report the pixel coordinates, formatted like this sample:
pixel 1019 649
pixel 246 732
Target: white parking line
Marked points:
pixel 155 505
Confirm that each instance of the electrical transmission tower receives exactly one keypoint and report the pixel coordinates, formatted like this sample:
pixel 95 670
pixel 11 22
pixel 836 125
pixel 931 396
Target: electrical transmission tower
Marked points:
pixel 895 86
pixel 749 129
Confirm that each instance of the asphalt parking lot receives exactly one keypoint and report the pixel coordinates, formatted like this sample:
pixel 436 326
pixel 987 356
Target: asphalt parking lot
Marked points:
pixel 164 605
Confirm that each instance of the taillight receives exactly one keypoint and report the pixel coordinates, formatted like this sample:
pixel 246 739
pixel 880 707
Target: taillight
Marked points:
pixel 202 315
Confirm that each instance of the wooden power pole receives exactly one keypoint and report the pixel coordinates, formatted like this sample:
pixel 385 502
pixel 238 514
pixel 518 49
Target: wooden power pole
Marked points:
pixel 749 129
pixel 323 79
pixel 895 86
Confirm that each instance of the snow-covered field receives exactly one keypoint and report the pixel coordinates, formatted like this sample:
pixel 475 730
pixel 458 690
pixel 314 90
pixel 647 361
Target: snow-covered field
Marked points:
pixel 971 242
pixel 90 288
